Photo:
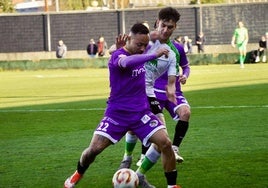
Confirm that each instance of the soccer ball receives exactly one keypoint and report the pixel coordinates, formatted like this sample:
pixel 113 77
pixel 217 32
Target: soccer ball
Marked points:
pixel 125 178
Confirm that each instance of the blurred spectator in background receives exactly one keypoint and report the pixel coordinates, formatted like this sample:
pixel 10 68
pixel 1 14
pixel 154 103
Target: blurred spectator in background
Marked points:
pixel 61 49
pixel 92 48
pixel 187 45
pixel 102 46
pixel 261 52
pixel 200 42
pixel 178 39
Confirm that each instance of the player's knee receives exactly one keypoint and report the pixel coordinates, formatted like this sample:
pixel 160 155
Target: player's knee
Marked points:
pixel 185 114
pixel 165 145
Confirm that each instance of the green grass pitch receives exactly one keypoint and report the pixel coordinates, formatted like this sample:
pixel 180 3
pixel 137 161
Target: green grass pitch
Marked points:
pixel 47 118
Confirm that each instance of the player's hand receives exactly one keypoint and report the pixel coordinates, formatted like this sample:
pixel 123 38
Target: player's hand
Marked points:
pixel 182 79
pixel 162 51
pixel 233 44
pixel 121 40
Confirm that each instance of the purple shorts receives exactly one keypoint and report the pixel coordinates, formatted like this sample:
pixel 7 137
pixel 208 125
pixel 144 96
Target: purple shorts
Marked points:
pixel 114 126
pixel 170 106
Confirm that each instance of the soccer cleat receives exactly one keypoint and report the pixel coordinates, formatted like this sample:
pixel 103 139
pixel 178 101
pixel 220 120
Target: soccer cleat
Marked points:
pixel 140 160
pixel 73 180
pixel 143 183
pixel 178 157
pixel 125 163
pixel 176 186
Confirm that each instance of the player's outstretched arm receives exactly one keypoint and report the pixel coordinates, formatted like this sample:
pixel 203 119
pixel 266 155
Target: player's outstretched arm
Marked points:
pixel 171 89
pixel 133 60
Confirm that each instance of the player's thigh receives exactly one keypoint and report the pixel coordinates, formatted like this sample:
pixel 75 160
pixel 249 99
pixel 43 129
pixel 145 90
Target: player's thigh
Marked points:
pixel 242 47
pixel 99 143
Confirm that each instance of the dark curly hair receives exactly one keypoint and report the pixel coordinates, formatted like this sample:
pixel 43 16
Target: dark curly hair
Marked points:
pixel 169 13
pixel 139 28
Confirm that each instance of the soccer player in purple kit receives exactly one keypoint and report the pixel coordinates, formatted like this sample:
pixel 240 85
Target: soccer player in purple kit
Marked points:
pixel 128 109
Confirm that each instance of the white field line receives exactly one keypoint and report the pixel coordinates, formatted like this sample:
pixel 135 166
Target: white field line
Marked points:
pixel 102 109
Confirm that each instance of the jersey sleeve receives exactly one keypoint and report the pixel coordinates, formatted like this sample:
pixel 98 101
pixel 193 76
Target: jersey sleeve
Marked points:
pixel 172 70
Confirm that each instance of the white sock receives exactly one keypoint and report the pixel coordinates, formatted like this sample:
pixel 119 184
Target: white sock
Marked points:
pixel 152 154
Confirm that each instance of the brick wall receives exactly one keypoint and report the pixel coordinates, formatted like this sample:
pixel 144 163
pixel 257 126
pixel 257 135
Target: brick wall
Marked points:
pixel 29 32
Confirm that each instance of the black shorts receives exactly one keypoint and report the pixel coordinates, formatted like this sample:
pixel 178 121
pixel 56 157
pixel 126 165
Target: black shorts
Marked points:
pixel 154 105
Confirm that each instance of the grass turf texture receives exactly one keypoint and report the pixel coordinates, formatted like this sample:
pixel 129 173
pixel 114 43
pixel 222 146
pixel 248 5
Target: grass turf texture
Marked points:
pixel 47 118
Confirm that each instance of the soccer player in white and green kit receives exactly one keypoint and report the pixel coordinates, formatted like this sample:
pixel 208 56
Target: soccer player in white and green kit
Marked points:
pixel 240 38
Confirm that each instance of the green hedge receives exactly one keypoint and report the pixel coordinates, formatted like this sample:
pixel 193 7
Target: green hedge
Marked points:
pixel 194 59
pixel 53 64
pixel 205 59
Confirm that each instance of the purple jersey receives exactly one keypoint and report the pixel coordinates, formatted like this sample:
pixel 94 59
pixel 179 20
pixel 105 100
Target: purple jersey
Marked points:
pixel 127 107
pixel 127 85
